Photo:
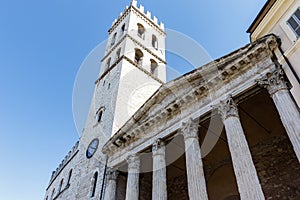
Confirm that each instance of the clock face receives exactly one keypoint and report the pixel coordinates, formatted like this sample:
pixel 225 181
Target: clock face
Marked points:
pixel 92 148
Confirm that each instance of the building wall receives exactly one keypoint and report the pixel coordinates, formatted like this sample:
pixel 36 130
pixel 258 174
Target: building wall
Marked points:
pixel 276 22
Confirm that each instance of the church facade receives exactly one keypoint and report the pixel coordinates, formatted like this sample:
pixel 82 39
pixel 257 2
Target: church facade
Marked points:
pixel 227 130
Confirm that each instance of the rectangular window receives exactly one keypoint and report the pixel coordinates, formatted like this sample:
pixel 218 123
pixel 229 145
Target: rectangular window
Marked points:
pixel 294 22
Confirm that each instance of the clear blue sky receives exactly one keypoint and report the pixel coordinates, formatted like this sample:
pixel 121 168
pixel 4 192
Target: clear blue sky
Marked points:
pixel 42 45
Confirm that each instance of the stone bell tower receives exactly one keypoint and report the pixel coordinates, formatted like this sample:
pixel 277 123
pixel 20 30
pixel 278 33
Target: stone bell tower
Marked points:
pixel 132 69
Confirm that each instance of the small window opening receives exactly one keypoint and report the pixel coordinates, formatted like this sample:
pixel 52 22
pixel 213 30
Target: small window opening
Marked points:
pixel 60 185
pixel 69 177
pixel 108 63
pixel 138 58
pixel 141 31
pixel 94 184
pixel 113 40
pixel 154 42
pixel 118 54
pixel 99 115
pixel 294 22
pixel 52 195
pixel 123 28
pixel 154 67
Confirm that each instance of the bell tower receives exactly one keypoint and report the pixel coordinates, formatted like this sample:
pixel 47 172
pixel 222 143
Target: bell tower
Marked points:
pixel 132 69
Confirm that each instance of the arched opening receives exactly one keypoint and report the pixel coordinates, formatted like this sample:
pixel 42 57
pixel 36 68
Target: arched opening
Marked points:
pixel 99 114
pixel 60 185
pixel 154 42
pixel 52 195
pixel 108 63
pixel 69 177
pixel 113 40
pixel 154 67
pixel 141 31
pixel 123 28
pixel 138 58
pixel 118 54
pixel 94 184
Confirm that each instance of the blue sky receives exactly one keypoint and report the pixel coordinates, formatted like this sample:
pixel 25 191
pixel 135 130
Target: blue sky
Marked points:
pixel 42 45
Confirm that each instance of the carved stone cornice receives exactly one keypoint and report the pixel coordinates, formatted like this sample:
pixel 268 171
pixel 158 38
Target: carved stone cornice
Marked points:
pixel 133 163
pixel 189 129
pixel 272 42
pixel 227 108
pixel 112 174
pixel 158 147
pixel 274 81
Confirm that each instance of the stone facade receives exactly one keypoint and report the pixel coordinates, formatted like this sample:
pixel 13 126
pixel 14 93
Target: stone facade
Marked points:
pixel 227 130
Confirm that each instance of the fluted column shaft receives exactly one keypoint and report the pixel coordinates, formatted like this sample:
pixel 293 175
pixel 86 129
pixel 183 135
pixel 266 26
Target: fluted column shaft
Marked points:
pixel 286 107
pixel 111 184
pixel 132 189
pixel 244 169
pixel 195 173
pixel 159 180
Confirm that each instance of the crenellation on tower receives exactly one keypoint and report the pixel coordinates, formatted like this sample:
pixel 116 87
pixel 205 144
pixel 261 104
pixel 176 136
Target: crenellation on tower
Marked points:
pixel 146 15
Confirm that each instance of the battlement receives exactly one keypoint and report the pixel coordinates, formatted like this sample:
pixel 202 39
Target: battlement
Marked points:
pixel 141 9
pixel 65 161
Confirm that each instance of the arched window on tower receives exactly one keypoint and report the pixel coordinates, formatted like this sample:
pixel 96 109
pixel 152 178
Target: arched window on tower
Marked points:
pixel 154 42
pixel 141 31
pixel 69 177
pixel 94 184
pixel 123 28
pixel 113 40
pixel 107 63
pixel 153 67
pixel 99 114
pixel 138 57
pixel 60 185
pixel 52 195
pixel 118 54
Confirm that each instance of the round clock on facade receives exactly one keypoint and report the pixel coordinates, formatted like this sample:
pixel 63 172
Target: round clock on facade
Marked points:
pixel 92 148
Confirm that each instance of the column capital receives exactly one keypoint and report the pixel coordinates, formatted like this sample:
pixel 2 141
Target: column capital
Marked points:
pixel 273 82
pixel 227 108
pixel 133 162
pixel 112 174
pixel 158 147
pixel 189 129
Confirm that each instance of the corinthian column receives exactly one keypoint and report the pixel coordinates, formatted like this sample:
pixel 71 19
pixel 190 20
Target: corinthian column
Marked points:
pixel 132 189
pixel 111 184
pixel 195 174
pixel 287 109
pixel 159 183
pixel 244 169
